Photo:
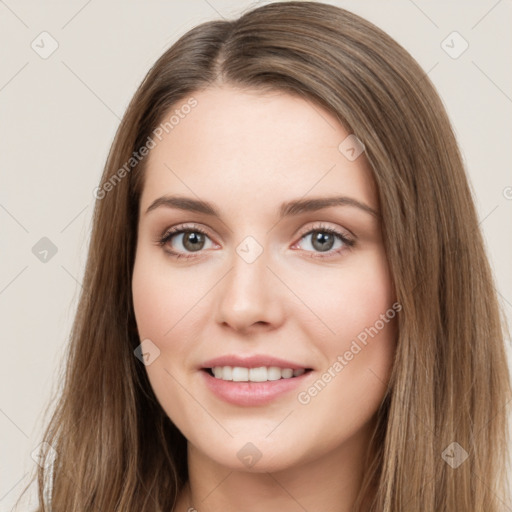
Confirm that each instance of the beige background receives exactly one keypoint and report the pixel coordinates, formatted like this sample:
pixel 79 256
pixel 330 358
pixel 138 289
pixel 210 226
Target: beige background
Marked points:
pixel 59 115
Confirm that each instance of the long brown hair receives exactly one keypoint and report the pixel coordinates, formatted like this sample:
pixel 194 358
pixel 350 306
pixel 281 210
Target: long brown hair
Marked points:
pixel 441 441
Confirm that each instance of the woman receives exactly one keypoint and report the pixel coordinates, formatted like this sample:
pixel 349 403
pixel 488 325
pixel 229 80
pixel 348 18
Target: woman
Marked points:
pixel 287 304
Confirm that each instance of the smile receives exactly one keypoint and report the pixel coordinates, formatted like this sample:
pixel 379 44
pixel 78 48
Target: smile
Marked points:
pixel 246 391
pixel 260 374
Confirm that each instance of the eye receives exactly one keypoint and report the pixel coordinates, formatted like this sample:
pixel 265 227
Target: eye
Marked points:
pixel 191 238
pixel 323 239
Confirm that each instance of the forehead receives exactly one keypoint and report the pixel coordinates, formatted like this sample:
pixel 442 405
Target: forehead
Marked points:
pixel 237 145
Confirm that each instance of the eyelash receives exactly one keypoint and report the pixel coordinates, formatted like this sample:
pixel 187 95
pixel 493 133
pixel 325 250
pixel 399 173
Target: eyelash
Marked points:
pixel 169 234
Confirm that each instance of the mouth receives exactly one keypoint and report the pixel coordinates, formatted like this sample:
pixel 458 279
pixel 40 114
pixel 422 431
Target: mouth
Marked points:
pixel 252 387
pixel 257 374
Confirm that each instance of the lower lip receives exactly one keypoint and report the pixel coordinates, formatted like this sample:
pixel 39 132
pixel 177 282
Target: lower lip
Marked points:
pixel 251 393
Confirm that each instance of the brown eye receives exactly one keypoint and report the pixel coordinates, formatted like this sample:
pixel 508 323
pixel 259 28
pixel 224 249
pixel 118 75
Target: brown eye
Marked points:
pixel 193 241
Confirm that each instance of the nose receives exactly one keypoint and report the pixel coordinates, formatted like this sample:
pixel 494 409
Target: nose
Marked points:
pixel 250 296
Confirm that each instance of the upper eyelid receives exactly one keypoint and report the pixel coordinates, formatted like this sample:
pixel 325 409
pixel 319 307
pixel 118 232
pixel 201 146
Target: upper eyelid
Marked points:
pixel 181 228
pixel 323 225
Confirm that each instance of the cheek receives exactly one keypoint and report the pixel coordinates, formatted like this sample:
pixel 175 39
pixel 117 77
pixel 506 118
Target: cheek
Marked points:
pixel 159 298
pixel 357 305
pixel 150 302
pixel 158 306
pixel 170 313
pixel 350 299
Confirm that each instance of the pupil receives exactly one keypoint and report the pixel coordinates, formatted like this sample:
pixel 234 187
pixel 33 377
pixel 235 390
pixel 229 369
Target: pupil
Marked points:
pixel 324 240
pixel 191 239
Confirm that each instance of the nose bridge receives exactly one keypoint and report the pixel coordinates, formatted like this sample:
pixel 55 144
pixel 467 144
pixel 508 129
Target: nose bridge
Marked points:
pixel 248 295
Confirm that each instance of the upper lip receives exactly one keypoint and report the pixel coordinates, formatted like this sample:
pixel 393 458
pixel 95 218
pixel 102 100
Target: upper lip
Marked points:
pixel 254 361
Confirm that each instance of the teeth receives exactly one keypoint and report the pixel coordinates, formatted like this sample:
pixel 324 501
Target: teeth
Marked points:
pixel 239 374
pixel 261 374
pixel 286 373
pixel 227 373
pixel 256 374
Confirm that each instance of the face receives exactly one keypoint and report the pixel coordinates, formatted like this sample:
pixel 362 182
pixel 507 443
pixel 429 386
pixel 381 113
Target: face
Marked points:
pixel 259 246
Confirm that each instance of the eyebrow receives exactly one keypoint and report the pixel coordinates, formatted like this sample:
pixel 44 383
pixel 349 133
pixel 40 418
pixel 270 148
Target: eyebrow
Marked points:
pixel 287 209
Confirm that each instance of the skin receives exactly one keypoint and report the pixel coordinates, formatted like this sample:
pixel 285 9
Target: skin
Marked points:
pixel 247 152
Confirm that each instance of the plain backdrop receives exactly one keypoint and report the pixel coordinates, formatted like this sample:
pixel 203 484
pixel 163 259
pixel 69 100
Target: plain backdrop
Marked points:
pixel 58 116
